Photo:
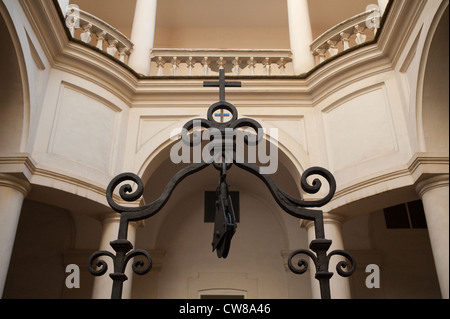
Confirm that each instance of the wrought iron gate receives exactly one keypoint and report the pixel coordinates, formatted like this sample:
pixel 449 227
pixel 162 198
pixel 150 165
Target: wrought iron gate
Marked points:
pixel 225 224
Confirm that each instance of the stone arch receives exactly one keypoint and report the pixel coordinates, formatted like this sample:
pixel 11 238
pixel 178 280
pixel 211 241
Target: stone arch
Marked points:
pixel 160 150
pixel 158 169
pixel 433 98
pixel 14 104
pixel 181 221
pixel 44 233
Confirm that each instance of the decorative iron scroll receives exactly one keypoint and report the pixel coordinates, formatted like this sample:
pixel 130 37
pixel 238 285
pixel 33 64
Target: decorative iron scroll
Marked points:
pixel 225 225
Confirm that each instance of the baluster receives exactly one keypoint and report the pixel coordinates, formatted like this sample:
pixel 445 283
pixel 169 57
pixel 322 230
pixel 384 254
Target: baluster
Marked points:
pixel 282 65
pixel 86 33
pixel 267 67
pixel 375 27
pixel 160 63
pixel 360 36
pixel 236 69
pixel 175 66
pixel 252 63
pixel 321 54
pixel 72 20
pixel 123 51
pixel 332 47
pixel 100 39
pixel 112 46
pixel 190 64
pixel 205 65
pixel 72 29
pixel 345 38
pixel 221 63
pixel 376 24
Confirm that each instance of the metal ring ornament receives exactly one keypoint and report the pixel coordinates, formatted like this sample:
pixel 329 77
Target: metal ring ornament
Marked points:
pixel 222 105
pixel 210 122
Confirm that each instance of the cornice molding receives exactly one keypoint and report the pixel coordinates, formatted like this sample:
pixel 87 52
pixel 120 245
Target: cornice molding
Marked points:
pixel 25 168
pixel 422 166
pixel 72 56
pixel 11 181
pixel 432 183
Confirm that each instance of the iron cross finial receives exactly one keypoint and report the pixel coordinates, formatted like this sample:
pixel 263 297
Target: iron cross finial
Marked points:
pixel 222 84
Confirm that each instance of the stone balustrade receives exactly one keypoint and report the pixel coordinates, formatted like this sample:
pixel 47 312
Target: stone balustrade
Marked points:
pixel 239 62
pixel 94 31
pixel 349 33
pixel 204 62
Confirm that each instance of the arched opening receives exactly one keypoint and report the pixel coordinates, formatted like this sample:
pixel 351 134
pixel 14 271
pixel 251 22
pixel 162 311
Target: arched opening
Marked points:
pixel 12 103
pixel 56 229
pixel 182 238
pixel 37 266
pixel 435 95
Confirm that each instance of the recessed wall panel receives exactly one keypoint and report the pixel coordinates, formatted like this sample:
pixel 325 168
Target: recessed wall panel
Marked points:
pixel 359 129
pixel 84 129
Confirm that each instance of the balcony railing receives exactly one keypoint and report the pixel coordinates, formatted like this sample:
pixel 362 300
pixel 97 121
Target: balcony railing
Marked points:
pixel 354 31
pixel 91 30
pixel 204 62
pixel 94 31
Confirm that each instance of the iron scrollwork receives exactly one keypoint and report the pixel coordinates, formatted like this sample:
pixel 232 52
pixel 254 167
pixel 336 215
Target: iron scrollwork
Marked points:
pixel 225 224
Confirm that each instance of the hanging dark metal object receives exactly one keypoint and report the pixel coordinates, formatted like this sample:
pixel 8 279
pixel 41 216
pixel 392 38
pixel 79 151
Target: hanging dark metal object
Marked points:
pixel 225 220
pixel 225 224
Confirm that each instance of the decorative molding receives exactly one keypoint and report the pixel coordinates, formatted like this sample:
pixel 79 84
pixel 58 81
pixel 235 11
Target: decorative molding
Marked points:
pixel 420 166
pixel 24 165
pixel 423 165
pixel 34 54
pixel 19 184
pixel 432 183
pixel 83 61
pixel 18 164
